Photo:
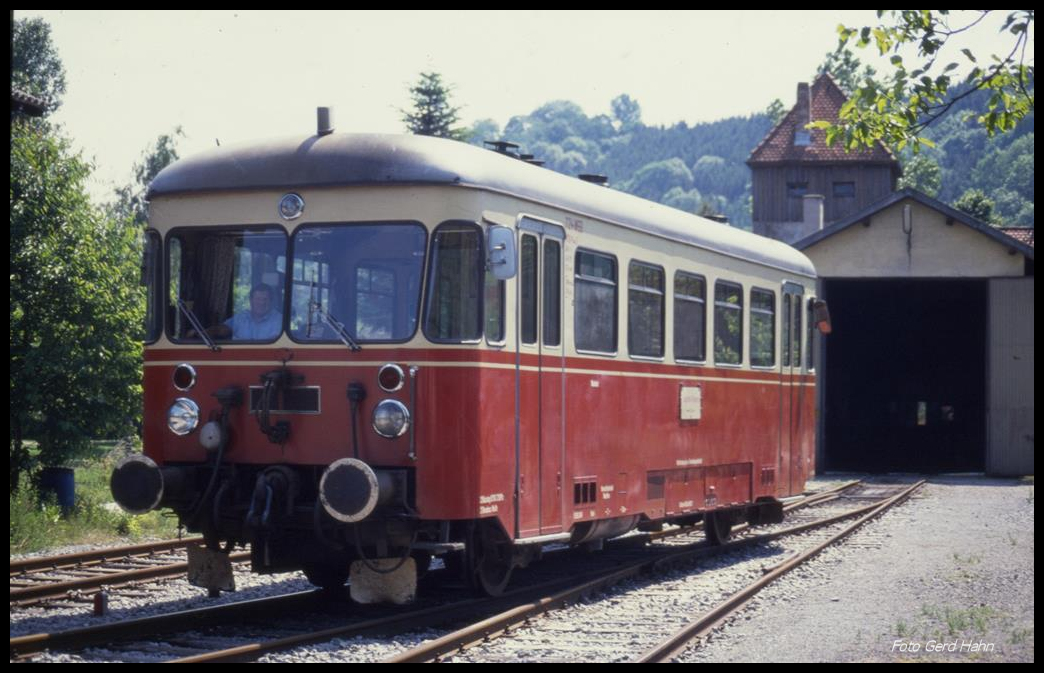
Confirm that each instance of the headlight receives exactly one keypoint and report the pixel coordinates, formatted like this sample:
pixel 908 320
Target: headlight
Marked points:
pixel 183 416
pixel 391 419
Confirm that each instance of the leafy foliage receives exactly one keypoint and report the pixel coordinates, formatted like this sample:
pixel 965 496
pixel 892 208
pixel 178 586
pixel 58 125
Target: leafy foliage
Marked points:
pixel 76 309
pixel 977 204
pixel 699 169
pixel 897 110
pixel 35 67
pixel 130 199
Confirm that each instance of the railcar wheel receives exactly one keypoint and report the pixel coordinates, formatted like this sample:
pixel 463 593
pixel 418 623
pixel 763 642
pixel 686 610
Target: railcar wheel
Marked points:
pixel 718 528
pixel 490 560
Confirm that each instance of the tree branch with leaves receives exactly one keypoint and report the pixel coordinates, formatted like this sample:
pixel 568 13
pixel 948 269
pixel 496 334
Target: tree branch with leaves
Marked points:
pixel 899 109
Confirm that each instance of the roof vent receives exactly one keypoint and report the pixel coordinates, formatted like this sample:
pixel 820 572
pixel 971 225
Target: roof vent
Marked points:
pixel 323 122
pixel 530 159
pixel 595 179
pixel 503 147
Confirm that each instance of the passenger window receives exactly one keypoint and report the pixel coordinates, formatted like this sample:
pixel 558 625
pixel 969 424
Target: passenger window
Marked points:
pixel 528 286
pixel 728 323
pixel 645 310
pixel 494 309
pixel 796 349
pixel 762 328
pixel 552 292
pixel 455 284
pixel 595 302
pixel 690 317
pixel 810 323
pixel 152 279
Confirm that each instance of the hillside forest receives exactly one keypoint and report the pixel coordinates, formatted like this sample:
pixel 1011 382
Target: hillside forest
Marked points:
pixel 701 168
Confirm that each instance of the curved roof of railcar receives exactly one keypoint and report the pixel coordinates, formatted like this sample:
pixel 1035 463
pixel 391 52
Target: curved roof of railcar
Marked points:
pixel 371 159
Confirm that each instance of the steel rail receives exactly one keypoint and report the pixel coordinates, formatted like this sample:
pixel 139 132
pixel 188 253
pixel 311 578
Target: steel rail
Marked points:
pixel 22 646
pixel 79 559
pixel 711 619
pixel 533 596
pixel 501 623
pixel 44 589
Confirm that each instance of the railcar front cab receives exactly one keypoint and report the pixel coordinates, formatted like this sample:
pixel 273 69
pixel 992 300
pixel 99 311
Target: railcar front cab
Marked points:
pixel 354 284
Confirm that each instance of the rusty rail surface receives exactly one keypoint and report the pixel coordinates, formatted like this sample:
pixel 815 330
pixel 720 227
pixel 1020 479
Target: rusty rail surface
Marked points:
pixel 703 625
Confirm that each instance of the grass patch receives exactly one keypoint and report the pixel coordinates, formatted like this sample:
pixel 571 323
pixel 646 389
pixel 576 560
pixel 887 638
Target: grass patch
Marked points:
pixel 38 523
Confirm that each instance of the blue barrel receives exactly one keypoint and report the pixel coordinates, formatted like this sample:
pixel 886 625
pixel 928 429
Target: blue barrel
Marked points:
pixel 62 483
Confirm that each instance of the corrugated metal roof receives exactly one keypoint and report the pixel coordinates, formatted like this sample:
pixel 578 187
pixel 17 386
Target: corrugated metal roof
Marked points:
pixel 365 159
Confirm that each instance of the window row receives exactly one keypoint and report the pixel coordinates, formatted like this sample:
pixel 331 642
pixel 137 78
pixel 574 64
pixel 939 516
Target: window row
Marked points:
pixel 362 281
pixel 596 301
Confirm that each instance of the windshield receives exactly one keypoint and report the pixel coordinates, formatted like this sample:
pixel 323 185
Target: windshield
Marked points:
pixel 228 281
pixel 366 277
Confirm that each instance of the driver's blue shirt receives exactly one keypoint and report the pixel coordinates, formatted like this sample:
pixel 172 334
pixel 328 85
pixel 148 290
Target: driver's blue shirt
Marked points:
pixel 245 327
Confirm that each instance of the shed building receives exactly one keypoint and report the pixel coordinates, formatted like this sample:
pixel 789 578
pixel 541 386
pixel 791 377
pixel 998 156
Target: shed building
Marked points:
pixel 930 365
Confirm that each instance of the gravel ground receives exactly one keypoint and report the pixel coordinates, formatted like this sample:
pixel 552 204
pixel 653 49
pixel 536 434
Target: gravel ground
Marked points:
pixel 955 573
pixel 951 568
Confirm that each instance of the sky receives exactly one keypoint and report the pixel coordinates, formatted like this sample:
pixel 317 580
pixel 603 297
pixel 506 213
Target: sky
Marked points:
pixel 238 76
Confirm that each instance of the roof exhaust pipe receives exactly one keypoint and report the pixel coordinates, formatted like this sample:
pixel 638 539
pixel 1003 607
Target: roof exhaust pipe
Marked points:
pixel 323 122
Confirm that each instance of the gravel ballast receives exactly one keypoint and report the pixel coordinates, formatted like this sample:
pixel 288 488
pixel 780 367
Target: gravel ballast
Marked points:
pixel 948 576
pixel 952 568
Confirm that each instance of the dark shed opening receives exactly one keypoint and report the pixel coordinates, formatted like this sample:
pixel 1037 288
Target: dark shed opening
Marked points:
pixel 906 375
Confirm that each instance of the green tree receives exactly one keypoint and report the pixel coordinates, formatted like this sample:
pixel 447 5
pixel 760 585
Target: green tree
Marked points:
pixel 75 306
pixel 482 130
pixel 846 69
pixel 977 204
pixel 626 112
pixel 898 109
pixel 922 173
pixel 130 199
pixel 1006 175
pixel 432 114
pixel 776 111
pixel 35 67
pixel 654 180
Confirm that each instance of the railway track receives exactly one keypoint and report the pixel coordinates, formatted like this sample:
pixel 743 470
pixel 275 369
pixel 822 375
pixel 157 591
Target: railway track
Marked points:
pixel 509 625
pixel 80 575
pixel 487 618
pixel 700 627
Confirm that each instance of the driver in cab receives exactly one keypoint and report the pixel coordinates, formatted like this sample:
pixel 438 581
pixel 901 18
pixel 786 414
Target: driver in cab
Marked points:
pixel 260 323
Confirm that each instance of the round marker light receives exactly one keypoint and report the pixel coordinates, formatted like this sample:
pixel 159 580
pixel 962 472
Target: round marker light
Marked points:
pixel 390 378
pixel 291 206
pixel 184 376
pixel 183 416
pixel 391 419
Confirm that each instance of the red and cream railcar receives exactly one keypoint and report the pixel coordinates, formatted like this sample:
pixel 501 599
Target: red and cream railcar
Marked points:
pixel 459 354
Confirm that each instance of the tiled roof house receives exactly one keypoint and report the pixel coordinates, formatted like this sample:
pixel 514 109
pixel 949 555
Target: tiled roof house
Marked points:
pixel 800 184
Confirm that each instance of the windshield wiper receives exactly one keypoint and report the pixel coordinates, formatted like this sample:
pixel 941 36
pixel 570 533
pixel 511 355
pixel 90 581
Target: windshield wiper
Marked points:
pixel 196 325
pixel 336 325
